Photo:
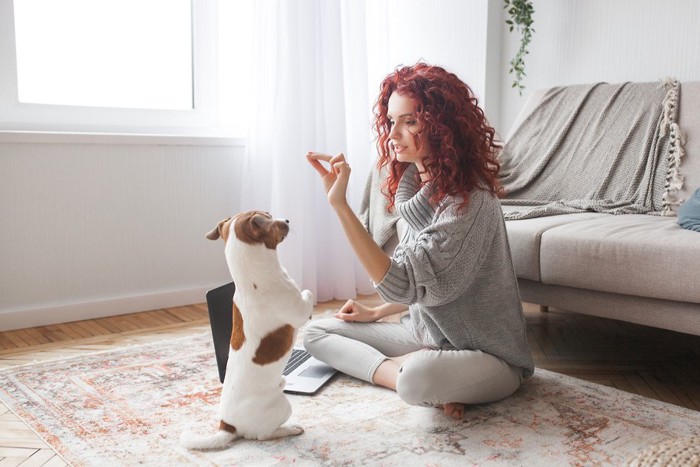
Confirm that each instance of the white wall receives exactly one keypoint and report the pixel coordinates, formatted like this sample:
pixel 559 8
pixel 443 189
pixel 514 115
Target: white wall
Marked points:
pixel 91 229
pixel 450 33
pixel 578 41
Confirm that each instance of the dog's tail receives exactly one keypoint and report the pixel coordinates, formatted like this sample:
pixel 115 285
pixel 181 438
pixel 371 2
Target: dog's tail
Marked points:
pixel 219 440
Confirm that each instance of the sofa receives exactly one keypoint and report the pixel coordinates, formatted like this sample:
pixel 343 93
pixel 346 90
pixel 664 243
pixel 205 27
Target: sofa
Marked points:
pixel 638 268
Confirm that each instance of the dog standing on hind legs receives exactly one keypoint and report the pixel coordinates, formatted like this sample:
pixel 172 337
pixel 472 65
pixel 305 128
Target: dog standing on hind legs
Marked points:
pixel 268 308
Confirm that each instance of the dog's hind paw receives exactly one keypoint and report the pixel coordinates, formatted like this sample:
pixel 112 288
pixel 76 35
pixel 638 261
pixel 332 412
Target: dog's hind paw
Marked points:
pixel 219 440
pixel 282 432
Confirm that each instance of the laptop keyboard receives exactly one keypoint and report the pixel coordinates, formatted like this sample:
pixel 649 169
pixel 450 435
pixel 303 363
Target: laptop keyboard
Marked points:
pixel 297 358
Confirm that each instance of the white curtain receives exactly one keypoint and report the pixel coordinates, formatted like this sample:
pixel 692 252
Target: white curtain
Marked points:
pixel 316 73
pixel 309 93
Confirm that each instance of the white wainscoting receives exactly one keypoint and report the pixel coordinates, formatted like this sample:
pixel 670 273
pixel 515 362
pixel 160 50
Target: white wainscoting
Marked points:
pixel 95 228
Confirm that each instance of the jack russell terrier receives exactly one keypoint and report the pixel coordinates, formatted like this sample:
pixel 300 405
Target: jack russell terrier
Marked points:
pixel 268 308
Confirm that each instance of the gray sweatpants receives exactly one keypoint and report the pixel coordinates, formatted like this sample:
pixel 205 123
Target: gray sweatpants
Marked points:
pixel 429 378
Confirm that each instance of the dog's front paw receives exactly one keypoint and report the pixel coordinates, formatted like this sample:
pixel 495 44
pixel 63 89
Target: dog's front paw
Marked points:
pixel 296 430
pixel 308 296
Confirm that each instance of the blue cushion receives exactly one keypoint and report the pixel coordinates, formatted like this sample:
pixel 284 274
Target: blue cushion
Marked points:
pixel 689 213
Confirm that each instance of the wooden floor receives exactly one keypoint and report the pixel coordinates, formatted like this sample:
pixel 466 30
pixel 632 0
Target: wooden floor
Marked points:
pixel 655 363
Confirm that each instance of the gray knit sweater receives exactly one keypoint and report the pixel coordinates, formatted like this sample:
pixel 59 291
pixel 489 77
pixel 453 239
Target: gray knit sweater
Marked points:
pixel 454 270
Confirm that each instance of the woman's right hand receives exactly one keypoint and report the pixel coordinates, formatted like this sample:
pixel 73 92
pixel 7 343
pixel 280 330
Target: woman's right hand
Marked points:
pixel 354 311
pixel 335 178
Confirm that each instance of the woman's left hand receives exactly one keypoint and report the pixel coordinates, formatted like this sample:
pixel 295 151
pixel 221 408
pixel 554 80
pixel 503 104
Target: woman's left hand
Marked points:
pixel 357 312
pixel 335 179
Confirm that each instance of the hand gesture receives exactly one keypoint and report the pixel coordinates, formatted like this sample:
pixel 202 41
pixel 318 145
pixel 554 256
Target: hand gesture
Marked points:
pixel 355 311
pixel 335 178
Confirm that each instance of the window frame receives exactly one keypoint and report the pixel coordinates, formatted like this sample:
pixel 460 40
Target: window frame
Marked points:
pixel 202 120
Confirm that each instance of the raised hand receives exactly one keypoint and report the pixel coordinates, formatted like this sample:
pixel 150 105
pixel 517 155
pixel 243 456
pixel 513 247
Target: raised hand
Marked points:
pixel 335 177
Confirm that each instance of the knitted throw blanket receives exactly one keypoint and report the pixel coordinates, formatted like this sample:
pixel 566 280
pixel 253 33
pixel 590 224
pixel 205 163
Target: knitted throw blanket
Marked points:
pixel 612 148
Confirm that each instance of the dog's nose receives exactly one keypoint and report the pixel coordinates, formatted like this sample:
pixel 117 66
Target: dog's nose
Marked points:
pixel 287 221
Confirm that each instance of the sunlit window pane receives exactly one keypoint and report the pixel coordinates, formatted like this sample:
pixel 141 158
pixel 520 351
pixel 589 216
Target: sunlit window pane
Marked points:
pixel 105 53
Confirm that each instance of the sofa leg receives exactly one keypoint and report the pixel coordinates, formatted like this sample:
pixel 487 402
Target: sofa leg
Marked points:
pixel 544 308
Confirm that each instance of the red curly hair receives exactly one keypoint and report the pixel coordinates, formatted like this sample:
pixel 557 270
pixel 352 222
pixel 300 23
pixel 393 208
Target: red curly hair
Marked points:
pixel 462 153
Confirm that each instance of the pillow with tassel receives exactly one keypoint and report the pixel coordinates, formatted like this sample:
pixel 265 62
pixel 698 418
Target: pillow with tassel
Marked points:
pixel 689 213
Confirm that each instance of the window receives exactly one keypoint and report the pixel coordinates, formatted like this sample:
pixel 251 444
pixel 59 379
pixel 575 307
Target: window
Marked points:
pixel 106 53
pixel 109 66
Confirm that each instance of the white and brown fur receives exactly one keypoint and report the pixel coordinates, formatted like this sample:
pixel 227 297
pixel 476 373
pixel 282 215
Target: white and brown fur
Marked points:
pixel 268 308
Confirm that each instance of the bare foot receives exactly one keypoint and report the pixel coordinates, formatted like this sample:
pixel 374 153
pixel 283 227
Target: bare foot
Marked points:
pixel 454 410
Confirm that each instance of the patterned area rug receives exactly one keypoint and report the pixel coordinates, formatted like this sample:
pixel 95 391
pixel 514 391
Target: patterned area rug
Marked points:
pixel 128 407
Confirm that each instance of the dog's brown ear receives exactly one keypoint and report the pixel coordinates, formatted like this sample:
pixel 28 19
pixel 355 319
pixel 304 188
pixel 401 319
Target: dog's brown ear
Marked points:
pixel 215 233
pixel 261 221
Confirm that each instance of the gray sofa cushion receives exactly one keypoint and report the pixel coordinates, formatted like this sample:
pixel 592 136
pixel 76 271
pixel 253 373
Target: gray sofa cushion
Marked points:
pixel 647 256
pixel 524 238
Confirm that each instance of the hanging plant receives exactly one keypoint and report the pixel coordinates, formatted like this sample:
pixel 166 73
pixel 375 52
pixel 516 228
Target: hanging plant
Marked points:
pixel 520 18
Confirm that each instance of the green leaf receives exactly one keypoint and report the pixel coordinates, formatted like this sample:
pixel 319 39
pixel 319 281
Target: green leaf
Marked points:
pixel 520 18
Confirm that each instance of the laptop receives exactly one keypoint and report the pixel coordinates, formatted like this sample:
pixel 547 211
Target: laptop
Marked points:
pixel 304 374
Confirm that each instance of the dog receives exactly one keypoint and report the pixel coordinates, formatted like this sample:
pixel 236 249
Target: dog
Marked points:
pixel 268 309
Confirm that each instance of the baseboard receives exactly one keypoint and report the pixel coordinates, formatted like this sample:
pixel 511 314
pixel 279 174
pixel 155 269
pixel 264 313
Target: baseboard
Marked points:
pixel 27 318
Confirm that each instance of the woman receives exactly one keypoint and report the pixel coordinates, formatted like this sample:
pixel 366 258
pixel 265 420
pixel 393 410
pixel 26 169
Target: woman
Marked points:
pixel 463 341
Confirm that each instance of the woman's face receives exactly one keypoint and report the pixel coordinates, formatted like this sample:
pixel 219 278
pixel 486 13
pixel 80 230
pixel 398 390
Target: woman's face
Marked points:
pixel 401 113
